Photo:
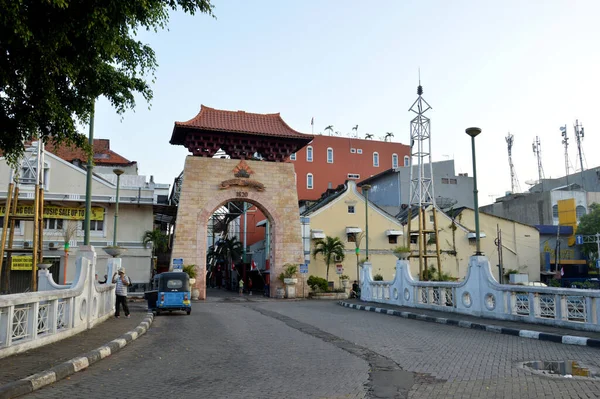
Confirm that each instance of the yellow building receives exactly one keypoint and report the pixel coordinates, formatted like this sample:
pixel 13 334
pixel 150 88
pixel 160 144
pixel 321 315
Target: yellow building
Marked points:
pixel 456 230
pixel 341 213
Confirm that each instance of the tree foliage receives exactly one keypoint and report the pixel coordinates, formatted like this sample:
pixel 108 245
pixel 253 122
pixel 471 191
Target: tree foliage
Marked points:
pixel 58 56
pixel 329 248
pixel 158 239
pixel 589 225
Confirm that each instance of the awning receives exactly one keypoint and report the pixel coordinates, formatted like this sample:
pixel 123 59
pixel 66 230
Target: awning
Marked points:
pixel 262 223
pixel 353 230
pixel 472 236
pixel 393 233
pixel 317 234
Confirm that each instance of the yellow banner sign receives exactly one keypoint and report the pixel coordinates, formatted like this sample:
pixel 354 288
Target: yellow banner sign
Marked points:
pixel 21 262
pixel 58 212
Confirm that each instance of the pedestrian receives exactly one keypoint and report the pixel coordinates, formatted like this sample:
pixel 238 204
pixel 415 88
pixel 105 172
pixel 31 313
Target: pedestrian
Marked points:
pixel 122 281
pixel 249 286
pixel 241 287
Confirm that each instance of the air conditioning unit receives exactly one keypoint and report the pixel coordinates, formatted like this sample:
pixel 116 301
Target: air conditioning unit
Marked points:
pixel 27 244
pixel 337 258
pixel 52 246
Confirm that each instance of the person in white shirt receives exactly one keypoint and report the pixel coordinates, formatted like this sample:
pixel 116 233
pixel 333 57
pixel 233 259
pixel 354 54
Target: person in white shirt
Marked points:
pixel 122 281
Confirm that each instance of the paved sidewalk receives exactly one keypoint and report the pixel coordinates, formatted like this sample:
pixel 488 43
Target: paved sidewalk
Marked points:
pixel 480 320
pixel 23 365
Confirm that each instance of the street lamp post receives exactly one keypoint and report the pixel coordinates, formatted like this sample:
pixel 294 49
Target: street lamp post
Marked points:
pixel 88 183
pixel 473 132
pixel 117 172
pixel 365 189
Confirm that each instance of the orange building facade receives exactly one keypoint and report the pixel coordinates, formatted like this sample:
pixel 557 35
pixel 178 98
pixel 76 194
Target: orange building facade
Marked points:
pixel 328 161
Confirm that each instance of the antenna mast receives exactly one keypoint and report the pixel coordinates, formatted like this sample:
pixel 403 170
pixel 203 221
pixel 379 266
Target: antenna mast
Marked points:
pixel 565 142
pixel 537 150
pixel 579 138
pixel 421 196
pixel 514 182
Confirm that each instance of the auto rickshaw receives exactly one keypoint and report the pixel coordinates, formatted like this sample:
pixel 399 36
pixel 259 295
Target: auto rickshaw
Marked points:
pixel 171 292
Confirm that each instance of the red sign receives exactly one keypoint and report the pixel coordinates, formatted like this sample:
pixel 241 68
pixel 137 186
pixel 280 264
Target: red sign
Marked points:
pixel 339 268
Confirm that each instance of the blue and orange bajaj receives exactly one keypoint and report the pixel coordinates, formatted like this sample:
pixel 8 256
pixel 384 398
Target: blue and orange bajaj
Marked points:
pixel 172 292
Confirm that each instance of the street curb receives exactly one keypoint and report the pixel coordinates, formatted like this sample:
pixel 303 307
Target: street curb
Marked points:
pixel 34 382
pixel 542 336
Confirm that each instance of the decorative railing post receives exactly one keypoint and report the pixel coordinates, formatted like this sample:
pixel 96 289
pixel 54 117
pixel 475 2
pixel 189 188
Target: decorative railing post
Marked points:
pixel 564 311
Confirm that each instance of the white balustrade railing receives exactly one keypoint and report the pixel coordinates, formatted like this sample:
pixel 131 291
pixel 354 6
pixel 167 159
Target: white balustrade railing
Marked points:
pixel 479 294
pixel 55 312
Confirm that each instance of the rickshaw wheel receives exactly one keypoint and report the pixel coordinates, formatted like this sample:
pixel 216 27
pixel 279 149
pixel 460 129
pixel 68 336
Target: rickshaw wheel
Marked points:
pixel 188 311
pixel 157 312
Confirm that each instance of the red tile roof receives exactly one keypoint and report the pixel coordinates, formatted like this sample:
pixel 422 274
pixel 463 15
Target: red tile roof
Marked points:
pixel 211 119
pixel 103 155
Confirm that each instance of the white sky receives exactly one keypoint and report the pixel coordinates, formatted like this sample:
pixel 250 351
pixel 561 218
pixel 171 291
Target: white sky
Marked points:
pixel 525 67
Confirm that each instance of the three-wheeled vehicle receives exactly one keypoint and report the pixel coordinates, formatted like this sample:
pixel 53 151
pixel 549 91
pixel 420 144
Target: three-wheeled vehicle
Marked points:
pixel 171 291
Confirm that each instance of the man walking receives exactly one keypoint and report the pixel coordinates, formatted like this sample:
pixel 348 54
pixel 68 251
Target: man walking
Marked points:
pixel 122 281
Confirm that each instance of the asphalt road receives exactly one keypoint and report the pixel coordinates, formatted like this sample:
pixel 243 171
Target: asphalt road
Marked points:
pixel 229 348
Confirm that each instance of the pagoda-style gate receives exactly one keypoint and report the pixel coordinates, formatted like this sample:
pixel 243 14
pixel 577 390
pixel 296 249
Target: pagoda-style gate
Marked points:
pixel 258 145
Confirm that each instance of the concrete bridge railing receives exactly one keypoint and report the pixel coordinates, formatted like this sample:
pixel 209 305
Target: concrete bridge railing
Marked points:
pixel 479 294
pixel 55 312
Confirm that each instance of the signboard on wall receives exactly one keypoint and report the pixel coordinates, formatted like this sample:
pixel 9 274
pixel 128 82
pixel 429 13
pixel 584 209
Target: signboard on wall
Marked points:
pixel 339 268
pixel 24 262
pixel 304 268
pixel 58 212
pixel 178 264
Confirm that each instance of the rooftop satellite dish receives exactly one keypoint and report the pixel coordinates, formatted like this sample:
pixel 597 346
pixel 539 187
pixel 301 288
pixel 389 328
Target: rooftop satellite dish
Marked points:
pixel 531 182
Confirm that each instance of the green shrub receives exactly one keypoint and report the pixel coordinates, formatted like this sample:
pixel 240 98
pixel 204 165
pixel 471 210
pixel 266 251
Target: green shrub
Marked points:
pixel 317 283
pixel 378 277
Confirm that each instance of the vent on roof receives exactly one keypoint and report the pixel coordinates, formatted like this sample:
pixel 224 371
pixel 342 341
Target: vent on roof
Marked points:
pixel 101 156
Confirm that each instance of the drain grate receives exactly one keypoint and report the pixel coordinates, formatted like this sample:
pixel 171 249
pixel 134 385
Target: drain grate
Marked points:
pixel 564 368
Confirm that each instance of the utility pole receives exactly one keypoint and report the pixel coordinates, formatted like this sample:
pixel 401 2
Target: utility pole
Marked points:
pixel 514 182
pixel 499 244
pixel 557 248
pixel 88 183
pixel 565 142
pixel 579 137
pixel 537 150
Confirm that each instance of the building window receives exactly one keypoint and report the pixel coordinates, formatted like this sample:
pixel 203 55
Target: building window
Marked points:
pixel 95 225
pixel 353 176
pixel 53 224
pixel 350 208
pixel 309 154
pixel 580 211
pixel 394 160
pixel 293 157
pixel 17 224
pixel 445 180
pixel 309 181
pixel 359 151
pixel 406 161
pixel 352 150
pixel 414 238
pixel 452 181
pixel 351 237
pixel 555 211
pixel 330 155
pixel 393 239
pixel 376 159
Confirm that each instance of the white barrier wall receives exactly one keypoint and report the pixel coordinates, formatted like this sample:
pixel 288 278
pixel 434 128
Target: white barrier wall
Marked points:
pixel 481 295
pixel 55 312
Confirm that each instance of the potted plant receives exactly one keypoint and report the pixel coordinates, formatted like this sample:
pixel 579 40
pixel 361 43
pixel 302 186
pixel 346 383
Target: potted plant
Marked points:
pixel 191 271
pixel 344 279
pixel 402 252
pixel 288 278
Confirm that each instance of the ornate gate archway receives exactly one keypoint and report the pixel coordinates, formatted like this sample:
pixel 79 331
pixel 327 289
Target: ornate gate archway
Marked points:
pixel 210 182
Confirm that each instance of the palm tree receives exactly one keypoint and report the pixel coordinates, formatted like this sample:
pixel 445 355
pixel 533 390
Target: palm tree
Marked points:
pixel 388 135
pixel 368 136
pixel 355 128
pixel 158 239
pixel 330 128
pixel 330 248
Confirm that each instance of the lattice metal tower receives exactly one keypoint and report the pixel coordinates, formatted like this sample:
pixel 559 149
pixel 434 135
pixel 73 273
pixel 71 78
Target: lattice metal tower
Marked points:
pixel 537 150
pixel 514 182
pixel 579 138
pixel 422 196
pixel 565 142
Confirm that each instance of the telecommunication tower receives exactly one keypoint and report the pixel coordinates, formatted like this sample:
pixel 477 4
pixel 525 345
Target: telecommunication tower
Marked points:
pixel 514 182
pixel 421 195
pixel 565 142
pixel 579 138
pixel 537 150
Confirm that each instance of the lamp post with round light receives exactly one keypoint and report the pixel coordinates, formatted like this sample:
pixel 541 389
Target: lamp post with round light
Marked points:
pixel 365 189
pixel 473 132
pixel 117 172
